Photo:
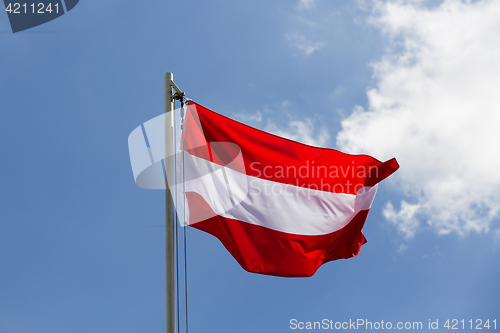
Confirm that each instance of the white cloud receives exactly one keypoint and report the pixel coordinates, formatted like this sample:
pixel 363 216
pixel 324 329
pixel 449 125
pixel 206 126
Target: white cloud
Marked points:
pixel 402 248
pixel 404 219
pixel 303 44
pixel 305 4
pixel 496 235
pixel 338 92
pixel 248 118
pixel 436 108
pixel 302 131
pixel 306 29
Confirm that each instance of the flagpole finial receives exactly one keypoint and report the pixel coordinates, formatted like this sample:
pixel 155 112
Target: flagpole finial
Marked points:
pixel 179 94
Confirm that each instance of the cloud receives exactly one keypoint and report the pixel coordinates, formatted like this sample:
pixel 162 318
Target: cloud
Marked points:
pixel 303 44
pixel 496 235
pixel 307 27
pixel 436 108
pixel 338 92
pixel 306 4
pixel 302 131
pixel 248 118
pixel 404 219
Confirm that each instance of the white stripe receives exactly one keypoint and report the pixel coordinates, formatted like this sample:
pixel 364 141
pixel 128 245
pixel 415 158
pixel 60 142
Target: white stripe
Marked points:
pixel 281 207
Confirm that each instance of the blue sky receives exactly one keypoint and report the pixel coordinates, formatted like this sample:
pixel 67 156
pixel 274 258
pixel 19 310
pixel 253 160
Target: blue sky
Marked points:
pixel 82 247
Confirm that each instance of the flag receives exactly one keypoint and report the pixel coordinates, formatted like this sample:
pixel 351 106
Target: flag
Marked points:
pixel 278 206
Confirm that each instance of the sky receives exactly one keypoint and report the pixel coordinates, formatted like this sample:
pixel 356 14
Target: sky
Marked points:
pixel 82 248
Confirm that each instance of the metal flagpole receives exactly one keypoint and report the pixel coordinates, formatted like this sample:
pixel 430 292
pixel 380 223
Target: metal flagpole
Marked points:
pixel 170 86
pixel 169 204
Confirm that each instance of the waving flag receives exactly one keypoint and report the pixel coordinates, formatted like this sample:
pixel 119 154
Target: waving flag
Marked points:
pixel 279 207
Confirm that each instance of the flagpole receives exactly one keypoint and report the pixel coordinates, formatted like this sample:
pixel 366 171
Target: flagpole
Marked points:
pixel 169 205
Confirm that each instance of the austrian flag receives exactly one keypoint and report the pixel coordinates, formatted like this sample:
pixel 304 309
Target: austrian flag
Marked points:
pixel 279 207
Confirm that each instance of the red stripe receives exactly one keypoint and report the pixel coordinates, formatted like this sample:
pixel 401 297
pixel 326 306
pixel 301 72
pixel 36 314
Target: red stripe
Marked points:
pixel 261 250
pixel 274 158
